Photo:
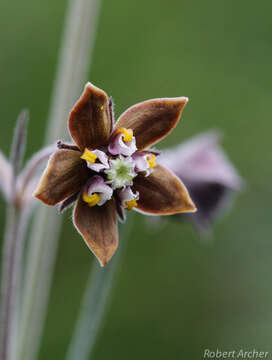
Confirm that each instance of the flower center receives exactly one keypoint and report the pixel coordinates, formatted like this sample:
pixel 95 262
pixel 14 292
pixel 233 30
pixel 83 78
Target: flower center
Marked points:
pixel 121 172
pixel 116 168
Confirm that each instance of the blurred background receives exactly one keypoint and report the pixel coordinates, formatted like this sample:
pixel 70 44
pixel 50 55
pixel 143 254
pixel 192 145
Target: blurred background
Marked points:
pixel 176 294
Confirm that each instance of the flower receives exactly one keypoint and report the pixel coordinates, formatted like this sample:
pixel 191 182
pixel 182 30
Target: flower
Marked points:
pixel 208 174
pixel 110 168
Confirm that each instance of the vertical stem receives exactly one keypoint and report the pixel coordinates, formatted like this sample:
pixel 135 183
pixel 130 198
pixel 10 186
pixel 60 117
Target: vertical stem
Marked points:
pixel 95 301
pixel 16 220
pixel 9 283
pixel 12 258
pixel 74 61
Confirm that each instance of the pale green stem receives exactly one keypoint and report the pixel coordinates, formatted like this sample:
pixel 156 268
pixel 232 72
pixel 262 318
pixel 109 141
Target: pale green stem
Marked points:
pixel 74 62
pixel 9 284
pixel 95 300
pixel 17 220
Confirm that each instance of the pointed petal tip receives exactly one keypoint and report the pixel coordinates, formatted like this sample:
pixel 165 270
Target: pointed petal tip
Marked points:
pixel 38 195
pixel 90 90
pixel 179 102
pixel 102 264
pixel 103 261
pixel 194 209
pixel 191 208
pixel 182 100
pixel 94 89
pixel 102 257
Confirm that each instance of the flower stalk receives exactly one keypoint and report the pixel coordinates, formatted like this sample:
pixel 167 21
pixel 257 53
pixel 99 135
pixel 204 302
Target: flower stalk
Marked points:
pixel 9 284
pixel 74 62
pixel 13 249
pixel 95 301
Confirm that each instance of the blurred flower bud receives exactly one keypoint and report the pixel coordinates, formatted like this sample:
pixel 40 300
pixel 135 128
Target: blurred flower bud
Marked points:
pixel 209 176
pixel 17 184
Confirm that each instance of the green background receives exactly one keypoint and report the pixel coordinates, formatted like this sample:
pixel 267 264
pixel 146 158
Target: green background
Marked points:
pixel 176 295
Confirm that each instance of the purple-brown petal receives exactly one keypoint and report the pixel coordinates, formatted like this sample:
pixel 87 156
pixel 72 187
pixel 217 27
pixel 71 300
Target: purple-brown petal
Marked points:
pixel 98 227
pixel 65 174
pixel 152 120
pixel 90 121
pixel 162 193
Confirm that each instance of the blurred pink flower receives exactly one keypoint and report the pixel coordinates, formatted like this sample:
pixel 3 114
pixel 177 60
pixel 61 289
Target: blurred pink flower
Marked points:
pixel 208 174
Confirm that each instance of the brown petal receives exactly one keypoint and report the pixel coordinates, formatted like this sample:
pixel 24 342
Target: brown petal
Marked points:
pixel 90 121
pixel 98 227
pixel 64 176
pixel 162 193
pixel 152 120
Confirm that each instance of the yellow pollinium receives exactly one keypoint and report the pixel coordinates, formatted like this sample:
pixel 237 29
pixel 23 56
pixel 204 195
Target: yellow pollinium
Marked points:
pixel 128 134
pixel 88 156
pixel 151 159
pixel 131 204
pixel 91 200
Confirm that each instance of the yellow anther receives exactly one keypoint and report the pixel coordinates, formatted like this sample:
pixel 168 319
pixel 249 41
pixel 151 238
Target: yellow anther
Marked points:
pixel 131 204
pixel 151 159
pixel 91 200
pixel 101 107
pixel 128 134
pixel 88 156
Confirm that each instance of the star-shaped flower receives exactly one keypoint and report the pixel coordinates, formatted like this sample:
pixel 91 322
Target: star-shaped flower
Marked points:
pixel 111 168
